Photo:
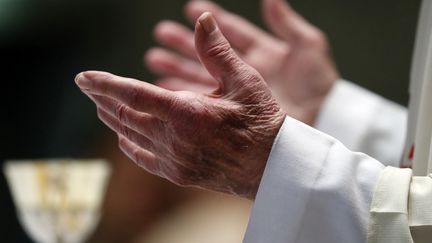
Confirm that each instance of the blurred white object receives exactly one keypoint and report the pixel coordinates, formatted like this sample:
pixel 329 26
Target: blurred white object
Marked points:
pixel 58 200
pixel 418 144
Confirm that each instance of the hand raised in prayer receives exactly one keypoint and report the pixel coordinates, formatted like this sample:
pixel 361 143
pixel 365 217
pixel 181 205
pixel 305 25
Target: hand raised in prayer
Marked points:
pixel 219 141
pixel 296 62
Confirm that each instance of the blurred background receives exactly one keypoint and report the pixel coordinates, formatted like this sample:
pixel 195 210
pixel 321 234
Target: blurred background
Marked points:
pixel 44 44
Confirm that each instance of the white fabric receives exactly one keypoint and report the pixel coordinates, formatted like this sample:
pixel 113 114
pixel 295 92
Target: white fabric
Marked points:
pixel 401 209
pixel 313 190
pixel 364 122
pixel 389 209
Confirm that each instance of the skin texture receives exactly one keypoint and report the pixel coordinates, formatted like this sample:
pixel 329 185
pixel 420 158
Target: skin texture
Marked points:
pixel 295 61
pixel 218 141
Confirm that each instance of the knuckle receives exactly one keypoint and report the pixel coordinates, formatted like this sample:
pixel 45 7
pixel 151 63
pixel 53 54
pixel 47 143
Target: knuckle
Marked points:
pixel 125 131
pixel 120 112
pixel 135 156
pixel 122 144
pixel 169 101
pixel 220 50
pixel 104 82
pixel 170 104
pixel 134 96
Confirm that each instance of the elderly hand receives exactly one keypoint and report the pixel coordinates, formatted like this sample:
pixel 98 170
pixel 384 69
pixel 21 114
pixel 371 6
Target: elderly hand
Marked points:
pixel 296 63
pixel 219 141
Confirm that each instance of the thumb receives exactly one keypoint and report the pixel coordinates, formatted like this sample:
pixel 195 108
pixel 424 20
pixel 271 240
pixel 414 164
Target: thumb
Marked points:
pixel 221 61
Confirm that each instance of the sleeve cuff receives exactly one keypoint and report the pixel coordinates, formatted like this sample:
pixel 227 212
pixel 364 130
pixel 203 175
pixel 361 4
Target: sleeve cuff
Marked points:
pixel 313 189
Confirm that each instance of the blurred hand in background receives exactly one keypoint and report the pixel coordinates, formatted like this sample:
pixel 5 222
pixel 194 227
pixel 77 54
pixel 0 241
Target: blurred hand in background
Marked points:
pixel 295 60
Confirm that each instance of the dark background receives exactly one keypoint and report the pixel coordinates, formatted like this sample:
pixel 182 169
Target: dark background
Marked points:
pixel 45 43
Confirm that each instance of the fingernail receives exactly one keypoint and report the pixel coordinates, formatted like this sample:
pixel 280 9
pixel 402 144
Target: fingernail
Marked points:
pixel 207 22
pixel 82 81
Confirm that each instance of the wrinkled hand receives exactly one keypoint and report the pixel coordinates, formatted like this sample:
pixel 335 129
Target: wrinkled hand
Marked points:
pixel 219 141
pixel 296 63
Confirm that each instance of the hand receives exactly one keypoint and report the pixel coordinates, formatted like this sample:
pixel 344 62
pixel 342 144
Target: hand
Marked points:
pixel 296 63
pixel 219 141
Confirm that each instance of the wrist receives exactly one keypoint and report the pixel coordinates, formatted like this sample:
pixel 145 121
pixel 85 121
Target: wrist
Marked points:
pixel 265 137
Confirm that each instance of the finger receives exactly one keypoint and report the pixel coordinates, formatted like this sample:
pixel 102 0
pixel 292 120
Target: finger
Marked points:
pixel 140 96
pixel 177 84
pixel 125 131
pixel 285 22
pixel 219 58
pixel 177 37
pixel 143 123
pixel 240 32
pixel 167 63
pixel 143 158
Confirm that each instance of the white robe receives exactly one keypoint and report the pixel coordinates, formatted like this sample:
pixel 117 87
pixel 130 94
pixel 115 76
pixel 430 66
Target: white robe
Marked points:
pixel 314 189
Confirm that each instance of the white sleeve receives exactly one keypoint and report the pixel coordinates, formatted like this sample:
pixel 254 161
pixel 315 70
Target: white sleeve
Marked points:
pixel 400 210
pixel 313 190
pixel 364 122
